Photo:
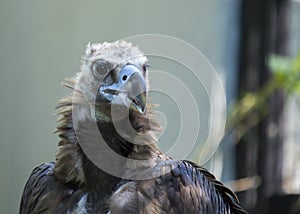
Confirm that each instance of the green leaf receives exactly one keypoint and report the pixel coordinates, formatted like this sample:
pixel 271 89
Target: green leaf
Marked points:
pixel 279 64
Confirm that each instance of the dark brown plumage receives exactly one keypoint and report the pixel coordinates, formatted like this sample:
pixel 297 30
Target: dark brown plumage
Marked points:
pixel 74 184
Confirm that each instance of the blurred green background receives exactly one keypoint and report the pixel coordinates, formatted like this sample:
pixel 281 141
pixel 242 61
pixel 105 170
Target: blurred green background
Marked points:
pixel 41 43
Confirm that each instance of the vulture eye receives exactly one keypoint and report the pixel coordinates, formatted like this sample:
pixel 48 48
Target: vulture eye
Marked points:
pixel 101 69
pixel 145 66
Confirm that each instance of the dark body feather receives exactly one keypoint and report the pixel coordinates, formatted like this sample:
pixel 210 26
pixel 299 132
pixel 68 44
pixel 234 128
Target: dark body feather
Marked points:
pixel 188 188
pixel 74 184
pixel 44 193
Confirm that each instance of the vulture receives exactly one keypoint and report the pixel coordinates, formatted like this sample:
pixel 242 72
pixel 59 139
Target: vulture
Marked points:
pixel 117 166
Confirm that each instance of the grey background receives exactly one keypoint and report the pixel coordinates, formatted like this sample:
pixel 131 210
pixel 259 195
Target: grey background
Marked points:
pixel 41 43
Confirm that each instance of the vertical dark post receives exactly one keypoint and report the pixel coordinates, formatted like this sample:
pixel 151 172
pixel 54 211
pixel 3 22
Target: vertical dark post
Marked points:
pixel 259 152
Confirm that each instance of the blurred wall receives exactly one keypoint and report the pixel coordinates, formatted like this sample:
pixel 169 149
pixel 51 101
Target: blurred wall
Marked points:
pixel 41 43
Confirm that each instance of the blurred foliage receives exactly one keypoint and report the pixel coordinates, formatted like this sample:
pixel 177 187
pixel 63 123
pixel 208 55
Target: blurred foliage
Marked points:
pixel 251 108
pixel 286 73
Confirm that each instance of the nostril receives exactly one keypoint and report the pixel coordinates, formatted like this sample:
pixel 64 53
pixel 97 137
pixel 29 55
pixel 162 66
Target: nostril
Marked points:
pixel 124 77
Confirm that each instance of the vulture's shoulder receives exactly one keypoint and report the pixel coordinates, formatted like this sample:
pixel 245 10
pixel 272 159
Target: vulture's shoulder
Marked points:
pixel 44 193
pixel 190 188
pixel 187 188
pixel 199 188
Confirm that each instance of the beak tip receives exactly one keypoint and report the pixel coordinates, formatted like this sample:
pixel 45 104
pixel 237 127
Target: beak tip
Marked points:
pixel 142 110
pixel 139 108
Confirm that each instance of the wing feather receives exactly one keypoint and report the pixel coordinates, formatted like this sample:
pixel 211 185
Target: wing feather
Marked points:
pixel 188 188
pixel 43 193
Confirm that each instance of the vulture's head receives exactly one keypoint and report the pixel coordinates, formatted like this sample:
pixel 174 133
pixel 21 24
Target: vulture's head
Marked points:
pixel 111 86
pixel 113 79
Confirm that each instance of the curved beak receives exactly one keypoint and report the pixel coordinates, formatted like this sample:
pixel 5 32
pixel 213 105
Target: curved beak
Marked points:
pixel 130 90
